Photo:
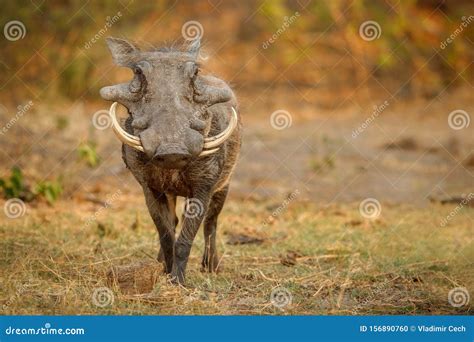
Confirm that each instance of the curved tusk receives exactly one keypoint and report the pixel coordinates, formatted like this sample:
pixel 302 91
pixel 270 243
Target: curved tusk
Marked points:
pixel 211 144
pixel 118 128
pixel 219 139
pixel 208 152
pixel 124 136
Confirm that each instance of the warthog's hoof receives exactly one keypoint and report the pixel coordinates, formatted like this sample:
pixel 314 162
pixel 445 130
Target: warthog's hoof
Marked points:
pixel 177 276
pixel 210 264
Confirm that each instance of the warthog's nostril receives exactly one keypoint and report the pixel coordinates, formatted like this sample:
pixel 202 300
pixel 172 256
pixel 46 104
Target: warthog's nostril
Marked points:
pixel 172 159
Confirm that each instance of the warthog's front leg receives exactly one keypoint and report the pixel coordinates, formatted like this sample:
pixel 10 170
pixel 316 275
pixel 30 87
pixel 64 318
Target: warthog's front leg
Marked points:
pixel 173 219
pixel 210 260
pixel 158 207
pixel 195 210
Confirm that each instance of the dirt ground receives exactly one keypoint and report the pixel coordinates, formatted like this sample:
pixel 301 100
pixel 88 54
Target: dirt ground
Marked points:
pixel 407 155
pixel 293 237
pixel 307 260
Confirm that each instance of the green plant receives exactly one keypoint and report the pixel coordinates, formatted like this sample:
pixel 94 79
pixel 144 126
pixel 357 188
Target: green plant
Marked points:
pixel 323 164
pixel 14 186
pixel 88 153
pixel 50 190
pixel 62 122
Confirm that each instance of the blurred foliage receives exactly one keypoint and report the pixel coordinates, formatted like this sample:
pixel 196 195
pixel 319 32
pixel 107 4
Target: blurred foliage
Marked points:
pixel 410 46
pixel 58 55
pixel 62 122
pixel 324 164
pixel 50 190
pixel 15 187
pixel 88 153
pixel 53 55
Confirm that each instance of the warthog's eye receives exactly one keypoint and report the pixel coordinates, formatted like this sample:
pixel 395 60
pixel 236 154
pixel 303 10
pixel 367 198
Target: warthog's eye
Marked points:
pixel 137 70
pixel 138 82
pixel 135 85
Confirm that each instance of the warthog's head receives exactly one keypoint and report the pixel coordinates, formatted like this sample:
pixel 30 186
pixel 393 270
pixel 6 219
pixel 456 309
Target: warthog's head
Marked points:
pixel 168 126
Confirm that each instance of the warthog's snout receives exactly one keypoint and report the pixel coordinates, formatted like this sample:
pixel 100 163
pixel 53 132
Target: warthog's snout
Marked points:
pixel 168 150
pixel 171 158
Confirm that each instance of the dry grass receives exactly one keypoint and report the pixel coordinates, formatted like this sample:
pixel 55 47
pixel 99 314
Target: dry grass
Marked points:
pixel 331 261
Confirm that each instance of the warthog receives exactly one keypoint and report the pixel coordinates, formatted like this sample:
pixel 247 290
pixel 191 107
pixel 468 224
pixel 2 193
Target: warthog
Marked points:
pixel 182 138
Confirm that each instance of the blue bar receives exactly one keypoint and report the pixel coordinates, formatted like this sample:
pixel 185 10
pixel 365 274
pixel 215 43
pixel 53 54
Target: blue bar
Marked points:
pixel 237 328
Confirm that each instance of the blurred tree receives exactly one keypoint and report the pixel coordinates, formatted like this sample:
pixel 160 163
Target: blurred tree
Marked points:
pixel 63 50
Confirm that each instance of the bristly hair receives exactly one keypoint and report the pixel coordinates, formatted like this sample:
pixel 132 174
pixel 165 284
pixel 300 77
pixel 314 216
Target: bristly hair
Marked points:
pixel 168 46
pixel 167 49
pixel 171 46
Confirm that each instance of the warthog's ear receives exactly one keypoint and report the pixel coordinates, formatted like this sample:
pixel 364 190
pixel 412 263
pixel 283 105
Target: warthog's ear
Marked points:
pixel 123 52
pixel 193 48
